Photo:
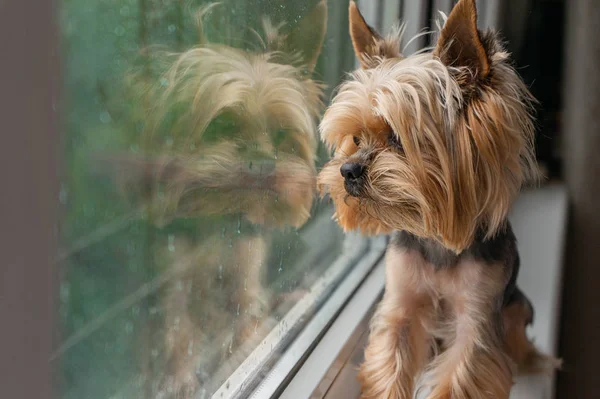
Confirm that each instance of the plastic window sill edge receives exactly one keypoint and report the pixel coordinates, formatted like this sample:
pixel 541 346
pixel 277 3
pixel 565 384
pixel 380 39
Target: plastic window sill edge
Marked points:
pixel 319 370
pixel 364 255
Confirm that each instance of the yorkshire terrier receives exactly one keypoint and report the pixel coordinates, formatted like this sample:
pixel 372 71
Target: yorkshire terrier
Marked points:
pixel 231 141
pixel 433 148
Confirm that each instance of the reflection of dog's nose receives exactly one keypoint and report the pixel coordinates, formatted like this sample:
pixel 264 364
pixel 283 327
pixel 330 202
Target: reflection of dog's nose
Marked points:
pixel 352 170
pixel 263 167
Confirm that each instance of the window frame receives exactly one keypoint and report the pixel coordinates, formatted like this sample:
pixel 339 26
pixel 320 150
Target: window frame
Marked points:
pixel 350 328
pixel 29 156
pixel 329 296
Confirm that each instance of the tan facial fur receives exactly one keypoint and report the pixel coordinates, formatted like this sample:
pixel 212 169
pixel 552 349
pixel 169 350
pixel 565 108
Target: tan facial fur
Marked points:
pixel 465 137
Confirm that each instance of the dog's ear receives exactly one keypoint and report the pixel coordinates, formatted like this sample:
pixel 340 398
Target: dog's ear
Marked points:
pixel 367 43
pixel 308 35
pixel 459 44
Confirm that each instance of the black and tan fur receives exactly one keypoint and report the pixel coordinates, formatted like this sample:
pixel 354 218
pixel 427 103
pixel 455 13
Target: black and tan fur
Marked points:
pixel 433 148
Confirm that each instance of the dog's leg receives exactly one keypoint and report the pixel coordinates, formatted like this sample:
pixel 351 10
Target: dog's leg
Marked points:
pixel 474 364
pixel 183 339
pixel 182 344
pixel 254 299
pixel 517 315
pixel 399 344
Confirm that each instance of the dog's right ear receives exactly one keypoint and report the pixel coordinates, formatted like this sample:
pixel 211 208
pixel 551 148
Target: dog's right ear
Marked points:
pixel 370 47
pixel 460 45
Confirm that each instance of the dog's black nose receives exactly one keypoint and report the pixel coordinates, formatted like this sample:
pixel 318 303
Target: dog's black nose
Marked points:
pixel 352 170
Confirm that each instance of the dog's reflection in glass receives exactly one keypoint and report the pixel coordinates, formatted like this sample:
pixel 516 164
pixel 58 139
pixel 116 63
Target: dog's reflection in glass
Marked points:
pixel 229 154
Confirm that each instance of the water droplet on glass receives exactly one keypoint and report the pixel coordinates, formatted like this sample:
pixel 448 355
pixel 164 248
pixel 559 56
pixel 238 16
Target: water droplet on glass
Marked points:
pixel 237 311
pixel 88 210
pixel 171 244
pixel 172 28
pixel 131 248
pixel 190 348
pixel 154 353
pixel 169 141
pixel 220 272
pixel 62 195
pixel 164 82
pixel 64 292
pixel 119 31
pixel 239 226
pixel 280 265
pixel 245 284
pixel 128 327
pixel 105 117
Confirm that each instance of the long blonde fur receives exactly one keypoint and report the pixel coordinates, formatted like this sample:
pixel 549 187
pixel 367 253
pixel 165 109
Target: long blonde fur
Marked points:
pixel 437 145
pixel 465 157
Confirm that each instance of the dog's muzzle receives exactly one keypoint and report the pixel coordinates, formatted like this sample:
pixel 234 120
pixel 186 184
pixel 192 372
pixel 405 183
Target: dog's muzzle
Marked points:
pixel 353 173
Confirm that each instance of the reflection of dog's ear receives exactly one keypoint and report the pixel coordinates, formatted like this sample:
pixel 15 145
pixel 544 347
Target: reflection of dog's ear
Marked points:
pixel 307 36
pixel 200 15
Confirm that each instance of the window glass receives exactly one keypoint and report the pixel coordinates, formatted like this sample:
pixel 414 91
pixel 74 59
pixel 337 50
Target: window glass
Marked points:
pixel 189 221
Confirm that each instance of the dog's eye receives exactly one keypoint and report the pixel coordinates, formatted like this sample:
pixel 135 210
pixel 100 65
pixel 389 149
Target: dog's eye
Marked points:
pixel 280 136
pixel 356 140
pixel 222 127
pixel 394 141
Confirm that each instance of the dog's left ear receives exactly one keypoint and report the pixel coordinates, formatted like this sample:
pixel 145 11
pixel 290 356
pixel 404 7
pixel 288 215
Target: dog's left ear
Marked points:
pixel 459 44
pixel 308 35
